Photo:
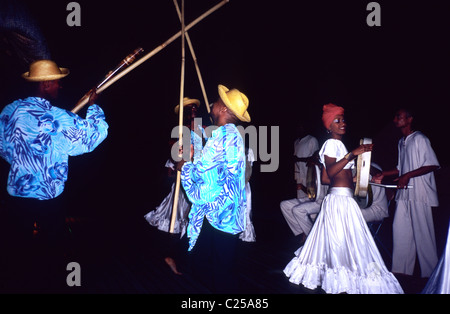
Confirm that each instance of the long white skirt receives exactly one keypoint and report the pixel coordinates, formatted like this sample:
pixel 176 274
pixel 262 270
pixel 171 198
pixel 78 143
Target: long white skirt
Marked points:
pixel 161 216
pixel 340 254
pixel 248 235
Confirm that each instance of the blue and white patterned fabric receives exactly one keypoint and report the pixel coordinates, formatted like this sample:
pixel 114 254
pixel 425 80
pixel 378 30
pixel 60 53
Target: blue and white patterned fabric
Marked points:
pixel 36 139
pixel 215 184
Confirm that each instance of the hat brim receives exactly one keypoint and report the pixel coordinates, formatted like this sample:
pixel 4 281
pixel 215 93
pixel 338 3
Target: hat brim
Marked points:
pixel 187 103
pixel 223 95
pixel 51 77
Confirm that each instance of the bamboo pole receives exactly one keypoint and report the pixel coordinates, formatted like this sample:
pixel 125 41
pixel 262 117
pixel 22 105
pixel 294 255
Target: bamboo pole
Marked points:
pixel 157 49
pixel 180 119
pixel 124 63
pixel 194 57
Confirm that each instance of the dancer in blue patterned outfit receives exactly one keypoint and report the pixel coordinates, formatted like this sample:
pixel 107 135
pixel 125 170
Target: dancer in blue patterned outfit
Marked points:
pixel 215 185
pixel 161 216
pixel 36 139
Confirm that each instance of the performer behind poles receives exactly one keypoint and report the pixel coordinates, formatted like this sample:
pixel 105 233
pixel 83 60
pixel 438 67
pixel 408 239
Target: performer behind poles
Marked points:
pixel 161 216
pixel 340 254
pixel 413 227
pixel 36 139
pixel 216 187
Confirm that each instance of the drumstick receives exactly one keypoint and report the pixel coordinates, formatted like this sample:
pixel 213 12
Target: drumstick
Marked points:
pixel 388 186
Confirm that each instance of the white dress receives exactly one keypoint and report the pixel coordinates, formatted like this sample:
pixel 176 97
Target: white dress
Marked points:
pixel 248 235
pixel 161 216
pixel 340 254
pixel 439 282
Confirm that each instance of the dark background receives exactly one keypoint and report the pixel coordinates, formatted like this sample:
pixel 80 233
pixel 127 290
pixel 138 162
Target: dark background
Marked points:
pixel 289 57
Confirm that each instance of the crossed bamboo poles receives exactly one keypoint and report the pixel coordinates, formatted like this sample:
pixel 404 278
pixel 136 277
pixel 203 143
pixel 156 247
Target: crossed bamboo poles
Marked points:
pixel 130 66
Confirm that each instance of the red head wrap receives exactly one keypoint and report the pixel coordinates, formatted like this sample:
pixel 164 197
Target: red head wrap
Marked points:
pixel 330 111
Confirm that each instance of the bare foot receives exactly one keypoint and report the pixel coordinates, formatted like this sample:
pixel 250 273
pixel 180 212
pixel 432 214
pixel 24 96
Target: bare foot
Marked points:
pixel 169 261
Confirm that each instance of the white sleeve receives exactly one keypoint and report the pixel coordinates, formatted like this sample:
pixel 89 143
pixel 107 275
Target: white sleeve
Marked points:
pixel 335 149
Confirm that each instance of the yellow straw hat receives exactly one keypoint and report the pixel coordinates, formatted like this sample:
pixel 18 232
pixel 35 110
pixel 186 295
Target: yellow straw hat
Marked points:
pixel 236 101
pixel 44 70
pixel 187 101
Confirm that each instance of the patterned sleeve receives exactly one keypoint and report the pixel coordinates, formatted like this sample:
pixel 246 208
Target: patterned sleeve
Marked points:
pixel 4 121
pixel 89 132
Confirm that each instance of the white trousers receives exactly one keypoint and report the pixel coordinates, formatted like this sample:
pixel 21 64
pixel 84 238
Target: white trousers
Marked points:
pixel 301 195
pixel 413 232
pixel 297 211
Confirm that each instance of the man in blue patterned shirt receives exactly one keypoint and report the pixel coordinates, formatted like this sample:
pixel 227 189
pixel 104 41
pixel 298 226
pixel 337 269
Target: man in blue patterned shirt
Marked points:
pixel 215 184
pixel 36 139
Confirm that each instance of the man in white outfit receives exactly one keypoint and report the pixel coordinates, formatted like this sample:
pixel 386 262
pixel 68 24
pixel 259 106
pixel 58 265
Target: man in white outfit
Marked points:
pixel 413 226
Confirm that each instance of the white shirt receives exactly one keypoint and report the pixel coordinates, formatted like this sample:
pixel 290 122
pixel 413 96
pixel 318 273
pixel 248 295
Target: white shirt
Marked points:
pixel 334 148
pixel 414 152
